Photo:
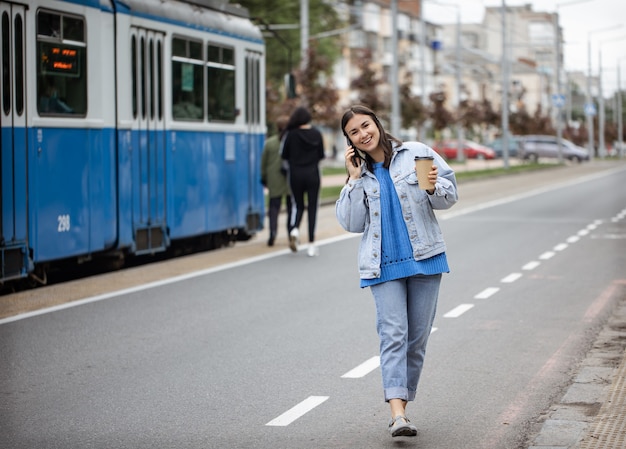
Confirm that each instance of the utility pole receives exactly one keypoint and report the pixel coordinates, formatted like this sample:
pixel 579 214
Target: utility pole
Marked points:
pixel 620 129
pixel 460 144
pixel 422 135
pixel 558 103
pixel 395 98
pixel 304 32
pixel 505 91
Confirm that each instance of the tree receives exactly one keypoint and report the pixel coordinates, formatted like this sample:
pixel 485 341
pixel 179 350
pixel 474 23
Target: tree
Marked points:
pixel 441 117
pixel 519 122
pixel 488 114
pixel 412 109
pixel 282 54
pixel 367 82
pixel 316 88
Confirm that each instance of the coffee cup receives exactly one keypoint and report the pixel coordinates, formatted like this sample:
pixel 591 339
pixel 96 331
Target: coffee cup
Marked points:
pixel 423 166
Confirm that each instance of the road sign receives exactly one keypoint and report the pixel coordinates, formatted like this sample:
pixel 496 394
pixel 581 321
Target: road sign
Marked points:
pixel 558 100
pixel 590 109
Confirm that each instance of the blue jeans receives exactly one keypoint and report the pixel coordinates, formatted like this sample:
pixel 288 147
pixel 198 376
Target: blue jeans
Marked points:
pixel 405 311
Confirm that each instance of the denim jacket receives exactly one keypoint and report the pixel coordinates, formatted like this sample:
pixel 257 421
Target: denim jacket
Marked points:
pixel 358 207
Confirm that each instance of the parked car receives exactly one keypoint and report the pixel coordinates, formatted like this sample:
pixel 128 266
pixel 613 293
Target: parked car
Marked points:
pixel 471 150
pixel 513 145
pixel 533 147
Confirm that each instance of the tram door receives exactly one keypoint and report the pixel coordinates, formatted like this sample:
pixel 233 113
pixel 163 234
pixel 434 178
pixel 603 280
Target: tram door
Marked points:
pixel 148 148
pixel 13 143
pixel 254 218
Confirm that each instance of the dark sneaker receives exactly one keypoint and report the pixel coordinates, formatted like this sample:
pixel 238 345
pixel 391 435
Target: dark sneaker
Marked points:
pixel 400 426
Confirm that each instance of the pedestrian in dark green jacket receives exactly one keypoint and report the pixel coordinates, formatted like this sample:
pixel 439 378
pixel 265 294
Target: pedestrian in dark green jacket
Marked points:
pixel 274 178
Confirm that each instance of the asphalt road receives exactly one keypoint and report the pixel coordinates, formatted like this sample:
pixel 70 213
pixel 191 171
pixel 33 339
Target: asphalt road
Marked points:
pixel 279 351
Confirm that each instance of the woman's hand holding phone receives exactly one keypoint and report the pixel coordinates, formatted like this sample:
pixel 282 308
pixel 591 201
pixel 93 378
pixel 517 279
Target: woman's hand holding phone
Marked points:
pixel 353 162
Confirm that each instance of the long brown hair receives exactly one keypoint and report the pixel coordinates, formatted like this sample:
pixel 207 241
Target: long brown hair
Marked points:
pixel 386 139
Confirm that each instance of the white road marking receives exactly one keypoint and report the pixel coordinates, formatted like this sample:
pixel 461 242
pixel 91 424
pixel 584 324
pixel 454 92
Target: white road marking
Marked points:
pixel 172 280
pixel 511 278
pixel 486 293
pixel 547 255
pixel 363 369
pixel 510 199
pixel 583 232
pixel 531 265
pixel 573 239
pixel 560 247
pixel 433 329
pixel 458 311
pixel 297 411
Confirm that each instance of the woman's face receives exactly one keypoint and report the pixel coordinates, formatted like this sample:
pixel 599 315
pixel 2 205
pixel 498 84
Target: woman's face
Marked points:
pixel 363 132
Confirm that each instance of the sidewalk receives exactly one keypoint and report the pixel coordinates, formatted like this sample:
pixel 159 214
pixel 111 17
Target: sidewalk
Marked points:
pixel 469 164
pixel 592 412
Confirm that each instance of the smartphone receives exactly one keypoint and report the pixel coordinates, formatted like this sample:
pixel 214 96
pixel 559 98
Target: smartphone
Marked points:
pixel 358 154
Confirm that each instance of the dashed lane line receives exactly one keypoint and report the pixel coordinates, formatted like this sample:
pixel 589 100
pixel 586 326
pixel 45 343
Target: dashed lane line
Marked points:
pixel 363 369
pixel 297 411
pixel 531 265
pixel 486 293
pixel 458 311
pixel 511 278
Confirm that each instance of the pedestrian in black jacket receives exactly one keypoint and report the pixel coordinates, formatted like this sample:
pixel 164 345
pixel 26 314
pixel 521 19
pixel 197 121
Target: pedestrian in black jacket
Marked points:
pixel 303 149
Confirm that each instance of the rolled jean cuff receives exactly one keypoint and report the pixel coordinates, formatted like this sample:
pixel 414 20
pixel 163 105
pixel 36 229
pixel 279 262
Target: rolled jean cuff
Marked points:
pixel 397 393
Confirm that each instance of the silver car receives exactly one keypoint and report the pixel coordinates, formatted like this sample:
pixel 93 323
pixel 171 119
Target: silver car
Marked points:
pixel 534 147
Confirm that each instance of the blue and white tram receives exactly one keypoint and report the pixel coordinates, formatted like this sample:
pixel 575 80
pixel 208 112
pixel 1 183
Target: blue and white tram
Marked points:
pixel 126 125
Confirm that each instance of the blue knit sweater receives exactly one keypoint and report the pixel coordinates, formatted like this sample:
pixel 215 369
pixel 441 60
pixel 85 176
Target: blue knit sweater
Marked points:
pixel 397 259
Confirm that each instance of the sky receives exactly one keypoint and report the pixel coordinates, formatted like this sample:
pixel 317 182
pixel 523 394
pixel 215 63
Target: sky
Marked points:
pixel 601 20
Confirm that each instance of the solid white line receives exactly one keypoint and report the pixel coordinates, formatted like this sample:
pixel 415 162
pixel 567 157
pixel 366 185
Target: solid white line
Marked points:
pixel 297 411
pixel 547 255
pixel 458 311
pixel 486 293
pixel 531 265
pixel 560 247
pixel 511 278
pixel 363 369
pixel 458 212
pixel 163 282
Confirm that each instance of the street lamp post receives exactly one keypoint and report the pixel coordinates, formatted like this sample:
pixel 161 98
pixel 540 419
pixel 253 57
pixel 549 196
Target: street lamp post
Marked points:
pixel 460 156
pixel 601 112
pixel 557 102
pixel 505 91
pixel 620 125
pixel 395 98
pixel 589 96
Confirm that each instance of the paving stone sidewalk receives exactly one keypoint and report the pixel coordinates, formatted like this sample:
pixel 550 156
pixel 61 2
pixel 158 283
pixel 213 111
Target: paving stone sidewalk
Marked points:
pixel 592 412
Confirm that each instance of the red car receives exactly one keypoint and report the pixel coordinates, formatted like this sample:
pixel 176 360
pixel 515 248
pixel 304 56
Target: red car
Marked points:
pixel 471 150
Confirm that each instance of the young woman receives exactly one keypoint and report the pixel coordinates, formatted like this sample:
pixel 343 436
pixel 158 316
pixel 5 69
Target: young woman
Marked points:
pixel 402 251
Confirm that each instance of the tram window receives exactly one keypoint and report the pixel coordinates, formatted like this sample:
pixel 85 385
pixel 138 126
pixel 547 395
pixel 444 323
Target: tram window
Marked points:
pixel 6 57
pixel 152 79
pixel 142 72
pixel 221 83
pixel 187 80
pixel 61 67
pixel 133 62
pixel 159 81
pixel 19 66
